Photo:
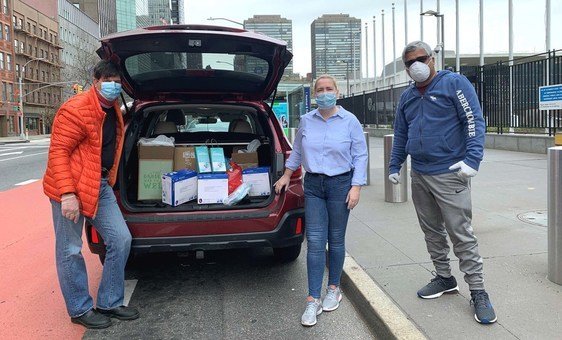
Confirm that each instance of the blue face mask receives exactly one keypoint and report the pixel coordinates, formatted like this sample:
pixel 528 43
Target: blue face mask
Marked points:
pixel 326 100
pixel 110 90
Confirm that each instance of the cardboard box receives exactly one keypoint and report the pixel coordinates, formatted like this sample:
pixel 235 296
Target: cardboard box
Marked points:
pixel 259 179
pixel 154 161
pixel 179 187
pixel 184 158
pixel 203 159
pixel 245 160
pixel 212 188
pixel 218 162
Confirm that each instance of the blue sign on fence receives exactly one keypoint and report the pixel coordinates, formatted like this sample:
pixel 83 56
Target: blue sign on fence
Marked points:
pixel 550 97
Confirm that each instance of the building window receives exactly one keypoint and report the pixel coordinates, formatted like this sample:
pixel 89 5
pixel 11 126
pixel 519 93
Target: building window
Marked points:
pixel 9 62
pixel 7 32
pixel 43 75
pixel 28 27
pixel 1 60
pixel 11 92
pixel 16 45
pixel 4 92
pixel 18 70
pixel 21 23
pixel 5 6
pixel 15 20
pixel 11 124
pixel 22 47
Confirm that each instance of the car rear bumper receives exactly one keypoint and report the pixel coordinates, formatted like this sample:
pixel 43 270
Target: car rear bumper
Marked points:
pixel 288 232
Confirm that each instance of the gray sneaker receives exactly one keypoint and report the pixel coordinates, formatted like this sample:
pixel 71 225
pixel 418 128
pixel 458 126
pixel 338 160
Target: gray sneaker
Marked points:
pixel 332 300
pixel 313 308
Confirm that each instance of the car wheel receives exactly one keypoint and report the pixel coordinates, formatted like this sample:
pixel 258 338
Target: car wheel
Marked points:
pixel 287 254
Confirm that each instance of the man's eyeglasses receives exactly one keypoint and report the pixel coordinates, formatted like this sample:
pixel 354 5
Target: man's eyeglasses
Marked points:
pixel 421 59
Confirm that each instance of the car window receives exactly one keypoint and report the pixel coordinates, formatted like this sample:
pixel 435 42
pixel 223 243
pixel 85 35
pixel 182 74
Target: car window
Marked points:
pixel 206 124
pixel 143 66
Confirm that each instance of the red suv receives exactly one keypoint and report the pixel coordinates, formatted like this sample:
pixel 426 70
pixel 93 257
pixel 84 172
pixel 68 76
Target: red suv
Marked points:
pixel 204 85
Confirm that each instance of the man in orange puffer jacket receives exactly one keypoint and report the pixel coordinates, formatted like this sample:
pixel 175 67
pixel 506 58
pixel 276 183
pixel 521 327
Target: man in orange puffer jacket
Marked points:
pixel 86 144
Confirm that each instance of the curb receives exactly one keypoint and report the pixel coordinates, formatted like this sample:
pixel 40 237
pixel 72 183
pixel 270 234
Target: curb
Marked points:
pixel 14 142
pixel 381 314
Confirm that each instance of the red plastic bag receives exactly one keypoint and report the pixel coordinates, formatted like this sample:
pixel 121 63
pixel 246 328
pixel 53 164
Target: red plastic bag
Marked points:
pixel 234 177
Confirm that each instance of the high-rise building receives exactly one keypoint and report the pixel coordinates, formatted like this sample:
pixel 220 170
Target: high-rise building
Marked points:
pixel 126 14
pixel 101 11
pixel 276 27
pixel 159 12
pixel 178 16
pixel 37 64
pixel 79 36
pixel 336 46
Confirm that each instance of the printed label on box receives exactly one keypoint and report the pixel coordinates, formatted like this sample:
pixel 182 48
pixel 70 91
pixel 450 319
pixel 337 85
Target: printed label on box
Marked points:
pixel 259 179
pixel 179 187
pixel 212 188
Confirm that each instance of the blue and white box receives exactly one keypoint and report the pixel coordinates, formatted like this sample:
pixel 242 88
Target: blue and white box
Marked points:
pixel 212 188
pixel 218 162
pixel 203 159
pixel 179 187
pixel 258 177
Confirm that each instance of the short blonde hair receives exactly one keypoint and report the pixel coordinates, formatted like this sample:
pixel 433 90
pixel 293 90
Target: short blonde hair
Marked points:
pixel 326 76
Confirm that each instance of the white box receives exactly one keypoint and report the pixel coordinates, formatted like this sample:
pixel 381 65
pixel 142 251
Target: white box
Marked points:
pixel 212 188
pixel 179 187
pixel 259 179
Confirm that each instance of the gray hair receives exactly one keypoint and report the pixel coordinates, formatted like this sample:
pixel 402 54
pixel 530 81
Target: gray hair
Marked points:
pixel 415 45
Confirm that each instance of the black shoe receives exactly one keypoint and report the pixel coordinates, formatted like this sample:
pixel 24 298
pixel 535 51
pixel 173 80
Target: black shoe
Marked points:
pixel 92 319
pixel 438 286
pixel 483 310
pixel 121 313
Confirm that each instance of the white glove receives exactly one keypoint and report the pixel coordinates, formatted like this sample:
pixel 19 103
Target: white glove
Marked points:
pixel 394 178
pixel 464 170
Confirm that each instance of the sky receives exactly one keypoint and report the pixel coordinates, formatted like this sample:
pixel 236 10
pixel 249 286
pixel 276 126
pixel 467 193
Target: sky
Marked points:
pixel 528 24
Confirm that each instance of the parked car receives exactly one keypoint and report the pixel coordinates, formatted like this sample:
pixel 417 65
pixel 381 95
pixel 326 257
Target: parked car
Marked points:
pixel 204 85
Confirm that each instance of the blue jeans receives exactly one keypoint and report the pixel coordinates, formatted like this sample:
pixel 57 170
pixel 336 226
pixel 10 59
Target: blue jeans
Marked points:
pixel 326 216
pixel 71 268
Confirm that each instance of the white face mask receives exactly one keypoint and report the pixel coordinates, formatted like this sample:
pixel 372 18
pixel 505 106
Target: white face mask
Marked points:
pixel 419 72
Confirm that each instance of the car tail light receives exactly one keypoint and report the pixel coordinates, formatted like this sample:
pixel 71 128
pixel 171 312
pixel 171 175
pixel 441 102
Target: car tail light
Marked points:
pixel 298 227
pixel 94 235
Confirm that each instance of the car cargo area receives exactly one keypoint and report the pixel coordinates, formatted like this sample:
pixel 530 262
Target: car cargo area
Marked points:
pixel 222 129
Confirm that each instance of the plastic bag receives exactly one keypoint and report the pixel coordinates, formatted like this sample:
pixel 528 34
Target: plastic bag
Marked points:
pixel 238 194
pixel 234 177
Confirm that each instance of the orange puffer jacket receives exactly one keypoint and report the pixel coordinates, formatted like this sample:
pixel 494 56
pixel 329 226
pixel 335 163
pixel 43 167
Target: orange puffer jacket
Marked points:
pixel 74 163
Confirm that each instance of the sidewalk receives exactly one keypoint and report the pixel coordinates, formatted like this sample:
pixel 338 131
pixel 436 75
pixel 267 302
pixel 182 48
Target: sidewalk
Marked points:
pixel 386 241
pixel 17 139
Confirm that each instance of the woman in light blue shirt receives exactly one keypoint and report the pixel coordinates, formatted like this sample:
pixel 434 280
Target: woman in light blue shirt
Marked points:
pixel 331 147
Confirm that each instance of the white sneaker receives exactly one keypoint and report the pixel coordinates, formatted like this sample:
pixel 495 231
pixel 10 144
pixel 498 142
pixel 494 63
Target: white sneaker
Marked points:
pixel 332 300
pixel 313 308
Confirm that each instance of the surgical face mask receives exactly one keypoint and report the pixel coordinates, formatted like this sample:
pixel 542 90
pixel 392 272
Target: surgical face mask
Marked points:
pixel 326 100
pixel 110 90
pixel 419 72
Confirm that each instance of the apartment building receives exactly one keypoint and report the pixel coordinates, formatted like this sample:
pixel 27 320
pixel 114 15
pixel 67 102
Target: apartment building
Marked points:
pixel 37 63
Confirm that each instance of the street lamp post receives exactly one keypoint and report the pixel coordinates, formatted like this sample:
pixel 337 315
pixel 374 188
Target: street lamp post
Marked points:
pixel 346 74
pixel 440 17
pixel 226 19
pixel 23 135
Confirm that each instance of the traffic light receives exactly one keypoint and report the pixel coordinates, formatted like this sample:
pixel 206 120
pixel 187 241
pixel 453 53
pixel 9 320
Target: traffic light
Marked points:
pixel 77 88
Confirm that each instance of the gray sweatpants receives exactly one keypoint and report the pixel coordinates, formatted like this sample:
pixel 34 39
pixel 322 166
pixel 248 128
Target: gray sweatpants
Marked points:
pixel 443 205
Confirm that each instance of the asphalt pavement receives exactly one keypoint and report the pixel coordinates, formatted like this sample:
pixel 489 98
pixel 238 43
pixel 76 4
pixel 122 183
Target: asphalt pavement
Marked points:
pixel 509 219
pixel 234 294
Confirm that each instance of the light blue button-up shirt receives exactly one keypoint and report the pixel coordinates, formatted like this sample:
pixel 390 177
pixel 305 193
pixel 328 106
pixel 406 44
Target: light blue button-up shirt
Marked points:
pixel 331 147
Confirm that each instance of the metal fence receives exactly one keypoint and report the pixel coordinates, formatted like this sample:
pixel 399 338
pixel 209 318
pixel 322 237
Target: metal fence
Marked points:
pixel 508 93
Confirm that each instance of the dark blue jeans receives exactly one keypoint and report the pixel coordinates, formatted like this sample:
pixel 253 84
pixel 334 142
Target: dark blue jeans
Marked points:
pixel 326 216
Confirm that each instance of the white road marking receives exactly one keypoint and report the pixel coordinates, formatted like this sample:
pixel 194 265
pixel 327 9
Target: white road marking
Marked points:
pixel 33 154
pixel 11 153
pixel 29 181
pixel 129 289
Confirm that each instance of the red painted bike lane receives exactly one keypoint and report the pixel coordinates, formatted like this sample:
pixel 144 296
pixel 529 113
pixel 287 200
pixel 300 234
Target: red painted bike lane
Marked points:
pixel 31 304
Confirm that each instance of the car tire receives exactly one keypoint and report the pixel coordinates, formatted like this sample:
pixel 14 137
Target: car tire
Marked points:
pixel 287 254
